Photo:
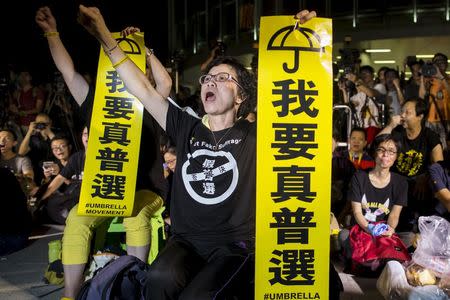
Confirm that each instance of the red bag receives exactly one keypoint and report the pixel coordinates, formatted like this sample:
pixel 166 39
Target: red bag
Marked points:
pixel 370 251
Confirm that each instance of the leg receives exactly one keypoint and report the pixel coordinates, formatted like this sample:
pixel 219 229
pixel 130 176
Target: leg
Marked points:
pixel 229 272
pixel 75 249
pixel 138 226
pixel 173 268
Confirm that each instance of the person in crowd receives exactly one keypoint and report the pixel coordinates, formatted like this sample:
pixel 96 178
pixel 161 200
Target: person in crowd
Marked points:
pixel 420 148
pixel 394 96
pixel 380 76
pixel 378 195
pixel 435 90
pixel 212 217
pixel 61 149
pixel 15 223
pixel 364 100
pixel 170 162
pixel 413 84
pixel 19 165
pixel 440 181
pixel 150 182
pixel 36 144
pixel 69 177
pixel 27 101
pixel 357 151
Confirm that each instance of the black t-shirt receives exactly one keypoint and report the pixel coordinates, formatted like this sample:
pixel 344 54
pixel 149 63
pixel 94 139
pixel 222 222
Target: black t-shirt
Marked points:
pixel 377 203
pixel 15 218
pixel 75 166
pixel 415 155
pixel 213 192
pixel 150 165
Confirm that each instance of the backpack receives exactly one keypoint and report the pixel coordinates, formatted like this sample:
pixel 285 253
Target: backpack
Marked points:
pixel 370 254
pixel 122 278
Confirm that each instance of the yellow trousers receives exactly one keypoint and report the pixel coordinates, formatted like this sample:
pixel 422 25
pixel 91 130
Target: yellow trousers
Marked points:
pixel 78 232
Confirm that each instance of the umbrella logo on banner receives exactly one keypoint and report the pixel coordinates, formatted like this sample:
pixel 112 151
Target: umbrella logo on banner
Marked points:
pixel 282 40
pixel 128 46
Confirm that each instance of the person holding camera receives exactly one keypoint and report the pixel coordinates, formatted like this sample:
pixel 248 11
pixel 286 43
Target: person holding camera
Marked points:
pixel 412 85
pixel 434 88
pixel 36 144
pixel 361 92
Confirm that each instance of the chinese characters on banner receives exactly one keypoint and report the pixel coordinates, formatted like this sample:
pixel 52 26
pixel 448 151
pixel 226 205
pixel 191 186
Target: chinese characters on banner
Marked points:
pixel 110 170
pixel 293 159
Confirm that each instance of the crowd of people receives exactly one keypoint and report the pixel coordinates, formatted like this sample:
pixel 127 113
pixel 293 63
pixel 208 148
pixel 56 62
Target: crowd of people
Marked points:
pixel 398 138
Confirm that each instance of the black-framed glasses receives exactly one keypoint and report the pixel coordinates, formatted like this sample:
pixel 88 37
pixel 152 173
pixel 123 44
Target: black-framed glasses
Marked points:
pixel 60 147
pixel 219 77
pixel 387 151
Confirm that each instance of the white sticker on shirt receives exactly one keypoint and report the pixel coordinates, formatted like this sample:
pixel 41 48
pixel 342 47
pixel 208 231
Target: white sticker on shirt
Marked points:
pixel 214 165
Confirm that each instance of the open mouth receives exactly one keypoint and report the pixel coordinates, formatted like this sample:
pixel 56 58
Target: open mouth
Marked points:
pixel 2 145
pixel 210 96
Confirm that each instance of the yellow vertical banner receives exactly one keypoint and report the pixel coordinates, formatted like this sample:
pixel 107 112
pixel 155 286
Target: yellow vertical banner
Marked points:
pixel 294 159
pixel 110 169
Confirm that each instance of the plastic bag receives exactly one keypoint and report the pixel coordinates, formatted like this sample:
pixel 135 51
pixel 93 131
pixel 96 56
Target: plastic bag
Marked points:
pixel 392 283
pixel 433 247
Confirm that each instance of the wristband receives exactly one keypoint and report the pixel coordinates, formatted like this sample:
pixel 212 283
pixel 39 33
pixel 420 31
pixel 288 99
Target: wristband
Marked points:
pixel 51 33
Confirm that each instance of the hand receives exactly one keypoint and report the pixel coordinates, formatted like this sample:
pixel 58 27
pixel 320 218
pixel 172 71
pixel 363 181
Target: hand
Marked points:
pixel 45 19
pixel 389 232
pixel 352 77
pixel 305 15
pixel 92 20
pixel 129 30
pixel 47 172
pixel 438 74
pixel 32 127
pixel 395 121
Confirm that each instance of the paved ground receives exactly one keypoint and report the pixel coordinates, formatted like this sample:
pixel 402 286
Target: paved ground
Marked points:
pixel 21 274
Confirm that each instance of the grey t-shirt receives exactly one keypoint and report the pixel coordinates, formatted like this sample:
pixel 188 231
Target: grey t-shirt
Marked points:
pixel 18 164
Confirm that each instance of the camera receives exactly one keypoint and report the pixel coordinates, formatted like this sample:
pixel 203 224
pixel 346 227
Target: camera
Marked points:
pixel 40 126
pixel 428 70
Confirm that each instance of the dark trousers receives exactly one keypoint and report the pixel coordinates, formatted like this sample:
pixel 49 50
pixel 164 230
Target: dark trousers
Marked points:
pixel 179 272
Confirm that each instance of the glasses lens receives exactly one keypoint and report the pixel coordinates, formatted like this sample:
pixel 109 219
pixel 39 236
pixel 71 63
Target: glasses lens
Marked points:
pixel 204 79
pixel 222 77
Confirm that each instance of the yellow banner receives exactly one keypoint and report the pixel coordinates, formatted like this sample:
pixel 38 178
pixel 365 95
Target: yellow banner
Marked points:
pixel 294 159
pixel 110 169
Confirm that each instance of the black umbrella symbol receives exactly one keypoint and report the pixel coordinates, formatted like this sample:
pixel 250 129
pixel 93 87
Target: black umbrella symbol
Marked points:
pixel 130 47
pixel 284 33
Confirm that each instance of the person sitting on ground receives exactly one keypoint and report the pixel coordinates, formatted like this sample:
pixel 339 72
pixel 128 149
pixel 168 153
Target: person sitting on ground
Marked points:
pixel 19 165
pixel 61 149
pixel 15 223
pixel 378 195
pixel 58 204
pixel 36 144
pixel 420 148
pixel 150 182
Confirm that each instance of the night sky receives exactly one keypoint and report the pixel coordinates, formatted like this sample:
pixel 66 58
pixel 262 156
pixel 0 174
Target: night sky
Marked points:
pixel 23 45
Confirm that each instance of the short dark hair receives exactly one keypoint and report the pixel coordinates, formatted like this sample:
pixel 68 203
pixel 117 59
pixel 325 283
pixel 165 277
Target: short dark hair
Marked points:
pixel 367 69
pixel 244 78
pixel 440 55
pixel 359 129
pixel 421 106
pixel 60 137
pixel 382 138
pixel 14 135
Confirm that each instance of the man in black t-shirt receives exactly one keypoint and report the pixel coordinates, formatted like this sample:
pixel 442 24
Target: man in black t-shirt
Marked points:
pixel 420 148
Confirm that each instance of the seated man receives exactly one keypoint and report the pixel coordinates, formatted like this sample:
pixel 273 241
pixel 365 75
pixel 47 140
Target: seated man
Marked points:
pixel 58 204
pixel 20 165
pixel 356 153
pixel 420 148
